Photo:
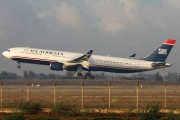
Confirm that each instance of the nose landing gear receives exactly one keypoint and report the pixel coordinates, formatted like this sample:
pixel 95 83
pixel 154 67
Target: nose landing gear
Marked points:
pixel 18 66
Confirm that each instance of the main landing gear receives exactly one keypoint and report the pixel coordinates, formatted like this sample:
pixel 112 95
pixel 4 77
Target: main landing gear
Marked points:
pixel 18 66
pixel 85 76
pixel 89 74
pixel 80 73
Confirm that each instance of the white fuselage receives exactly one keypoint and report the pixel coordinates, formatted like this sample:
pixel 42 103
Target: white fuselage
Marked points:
pixel 97 62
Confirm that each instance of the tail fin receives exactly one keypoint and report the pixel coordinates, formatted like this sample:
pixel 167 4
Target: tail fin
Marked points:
pixel 162 52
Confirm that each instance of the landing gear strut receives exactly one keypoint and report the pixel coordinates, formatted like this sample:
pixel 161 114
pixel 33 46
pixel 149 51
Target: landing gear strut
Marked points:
pixel 18 66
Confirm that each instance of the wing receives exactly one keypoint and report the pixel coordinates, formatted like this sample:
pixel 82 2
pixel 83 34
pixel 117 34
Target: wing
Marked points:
pixel 85 57
pixel 83 60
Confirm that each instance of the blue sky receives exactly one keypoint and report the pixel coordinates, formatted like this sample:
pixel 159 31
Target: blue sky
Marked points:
pixel 109 27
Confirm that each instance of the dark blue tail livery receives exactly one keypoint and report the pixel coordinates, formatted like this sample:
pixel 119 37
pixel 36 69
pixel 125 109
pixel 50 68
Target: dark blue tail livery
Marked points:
pixel 161 53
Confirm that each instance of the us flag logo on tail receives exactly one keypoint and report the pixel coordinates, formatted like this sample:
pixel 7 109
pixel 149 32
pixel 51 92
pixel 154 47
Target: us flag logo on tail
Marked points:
pixel 162 51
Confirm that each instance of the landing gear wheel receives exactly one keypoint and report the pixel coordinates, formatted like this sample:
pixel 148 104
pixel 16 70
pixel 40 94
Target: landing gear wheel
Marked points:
pixel 18 67
pixel 79 74
pixel 84 77
pixel 92 77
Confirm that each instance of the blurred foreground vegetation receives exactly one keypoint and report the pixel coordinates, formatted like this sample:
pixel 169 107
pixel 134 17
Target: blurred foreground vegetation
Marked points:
pixel 32 111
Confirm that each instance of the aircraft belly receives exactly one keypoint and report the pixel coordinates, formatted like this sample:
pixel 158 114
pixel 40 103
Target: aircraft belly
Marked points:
pixel 115 69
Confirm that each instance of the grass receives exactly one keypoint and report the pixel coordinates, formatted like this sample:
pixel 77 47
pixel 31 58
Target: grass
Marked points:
pixel 30 111
pixel 151 112
pixel 14 116
pixel 65 110
pixel 29 107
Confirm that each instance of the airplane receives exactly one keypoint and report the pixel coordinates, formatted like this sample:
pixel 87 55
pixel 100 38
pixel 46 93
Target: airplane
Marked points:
pixel 61 60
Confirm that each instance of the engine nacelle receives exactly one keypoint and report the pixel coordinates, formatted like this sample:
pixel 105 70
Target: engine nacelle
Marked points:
pixel 56 66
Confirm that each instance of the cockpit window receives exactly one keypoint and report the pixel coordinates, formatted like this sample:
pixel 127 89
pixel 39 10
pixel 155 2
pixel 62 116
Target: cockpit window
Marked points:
pixel 8 50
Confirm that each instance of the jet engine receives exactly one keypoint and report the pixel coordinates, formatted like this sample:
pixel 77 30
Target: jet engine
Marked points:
pixel 57 66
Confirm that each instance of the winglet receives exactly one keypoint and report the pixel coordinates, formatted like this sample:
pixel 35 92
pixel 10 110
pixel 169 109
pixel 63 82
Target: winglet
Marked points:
pixel 90 52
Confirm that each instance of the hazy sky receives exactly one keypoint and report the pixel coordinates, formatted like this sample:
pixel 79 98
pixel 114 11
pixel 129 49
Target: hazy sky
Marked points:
pixel 109 27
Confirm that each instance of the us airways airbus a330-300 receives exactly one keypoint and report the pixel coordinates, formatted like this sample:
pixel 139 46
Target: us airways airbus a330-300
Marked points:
pixel 60 60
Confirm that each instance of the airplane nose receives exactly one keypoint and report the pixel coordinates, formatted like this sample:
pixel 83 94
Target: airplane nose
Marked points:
pixel 3 53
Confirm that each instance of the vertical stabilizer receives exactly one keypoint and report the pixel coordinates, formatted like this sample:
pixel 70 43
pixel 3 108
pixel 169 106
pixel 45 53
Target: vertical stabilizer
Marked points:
pixel 162 52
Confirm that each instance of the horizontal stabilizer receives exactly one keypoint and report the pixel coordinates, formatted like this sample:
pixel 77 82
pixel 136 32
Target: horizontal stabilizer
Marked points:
pixel 160 65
